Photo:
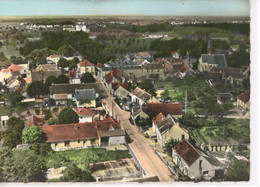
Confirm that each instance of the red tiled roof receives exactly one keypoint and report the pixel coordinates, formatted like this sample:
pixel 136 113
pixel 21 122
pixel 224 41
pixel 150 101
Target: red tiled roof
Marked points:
pixel 77 131
pixel 100 65
pixel 54 56
pixel 183 69
pixel 34 121
pixel 157 119
pixel 165 108
pixel 245 96
pixel 85 63
pixel 187 152
pixel 84 112
pixel 174 52
pixel 107 123
pixel 117 73
pixel 13 68
pixel 74 131
pixel 116 85
pixel 72 73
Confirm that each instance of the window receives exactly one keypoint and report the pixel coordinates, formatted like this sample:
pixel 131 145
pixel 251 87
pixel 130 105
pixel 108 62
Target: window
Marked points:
pixel 67 143
pixel 78 141
pixel 93 141
pixel 200 164
pixel 205 172
pixel 84 141
pixel 182 136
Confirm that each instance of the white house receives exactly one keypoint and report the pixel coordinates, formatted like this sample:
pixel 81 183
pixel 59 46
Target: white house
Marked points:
pixel 140 97
pixel 14 71
pixel 196 164
pixel 53 58
pixel 175 54
pixel 85 114
pixel 3 121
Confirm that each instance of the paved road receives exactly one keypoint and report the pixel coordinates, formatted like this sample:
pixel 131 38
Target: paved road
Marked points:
pixel 150 161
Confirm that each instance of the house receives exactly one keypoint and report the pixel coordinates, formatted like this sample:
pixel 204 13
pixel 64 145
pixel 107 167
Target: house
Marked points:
pixel 82 135
pixel 141 62
pixel 54 58
pixel 157 119
pixel 3 121
pixel 243 100
pixel 85 98
pixel 74 79
pixel 222 146
pixel 140 96
pixel 43 71
pixel 110 132
pixel 214 78
pixel 155 69
pixel 230 75
pixel 209 61
pixel 165 108
pixel 182 72
pixel 32 121
pixel 175 54
pixel 13 83
pixel 14 71
pixel 195 164
pixel 86 66
pixel 121 92
pixel 138 112
pixel 61 92
pixel 224 98
pixel 85 114
pixel 143 55
pixel 71 136
pixel 169 128
pixel 116 75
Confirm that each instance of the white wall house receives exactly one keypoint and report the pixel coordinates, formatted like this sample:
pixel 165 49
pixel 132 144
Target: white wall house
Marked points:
pixel 85 114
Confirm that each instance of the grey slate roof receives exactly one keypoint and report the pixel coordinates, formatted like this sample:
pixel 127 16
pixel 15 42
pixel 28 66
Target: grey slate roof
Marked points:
pixel 165 124
pixel 85 94
pixel 214 59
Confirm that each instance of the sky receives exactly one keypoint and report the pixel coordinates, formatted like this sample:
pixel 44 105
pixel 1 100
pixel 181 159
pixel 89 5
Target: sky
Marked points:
pixel 125 7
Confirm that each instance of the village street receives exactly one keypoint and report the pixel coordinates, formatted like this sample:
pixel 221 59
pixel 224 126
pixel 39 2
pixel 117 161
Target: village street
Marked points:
pixel 149 160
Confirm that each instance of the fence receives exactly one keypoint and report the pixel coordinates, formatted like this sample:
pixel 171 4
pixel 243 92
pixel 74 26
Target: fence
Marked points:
pixel 136 160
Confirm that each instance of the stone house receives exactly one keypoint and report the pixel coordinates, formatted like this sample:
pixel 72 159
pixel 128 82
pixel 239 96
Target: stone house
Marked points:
pixel 62 92
pixel 169 128
pixel 243 100
pixel 85 98
pixel 155 69
pixel 82 135
pixel 43 71
pixel 86 66
pixel 85 114
pixel 209 61
pixel 195 164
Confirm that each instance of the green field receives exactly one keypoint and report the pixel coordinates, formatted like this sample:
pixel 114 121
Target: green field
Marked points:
pixel 83 156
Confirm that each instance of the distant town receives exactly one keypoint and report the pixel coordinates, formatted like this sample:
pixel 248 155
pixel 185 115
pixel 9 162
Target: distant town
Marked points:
pixel 123 99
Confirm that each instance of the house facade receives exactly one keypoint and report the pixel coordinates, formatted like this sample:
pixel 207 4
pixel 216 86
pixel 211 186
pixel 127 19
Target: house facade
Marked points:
pixel 86 66
pixel 85 98
pixel 168 128
pixel 209 61
pixel 85 114
pixel 195 164
pixel 243 100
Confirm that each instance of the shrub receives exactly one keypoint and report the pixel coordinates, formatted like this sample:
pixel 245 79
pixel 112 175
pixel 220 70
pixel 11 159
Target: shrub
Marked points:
pixel 41 148
pixel 37 111
pixel 53 121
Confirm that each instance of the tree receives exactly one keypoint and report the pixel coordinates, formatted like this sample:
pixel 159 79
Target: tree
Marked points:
pixel 24 166
pixel 87 78
pixel 15 98
pixel 239 171
pixel 189 120
pixel 41 148
pixel 32 135
pixel 68 115
pixel 147 85
pixel 165 95
pixel 74 174
pixel 62 63
pixel 50 80
pixel 67 51
pixel 62 79
pixel 13 135
pixel 169 146
pixel 37 88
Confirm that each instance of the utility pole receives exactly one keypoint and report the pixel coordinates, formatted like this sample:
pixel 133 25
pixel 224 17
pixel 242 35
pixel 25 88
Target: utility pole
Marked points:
pixel 186 110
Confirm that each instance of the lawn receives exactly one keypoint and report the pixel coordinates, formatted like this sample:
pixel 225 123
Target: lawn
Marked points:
pixel 5 110
pixel 213 129
pixel 83 156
